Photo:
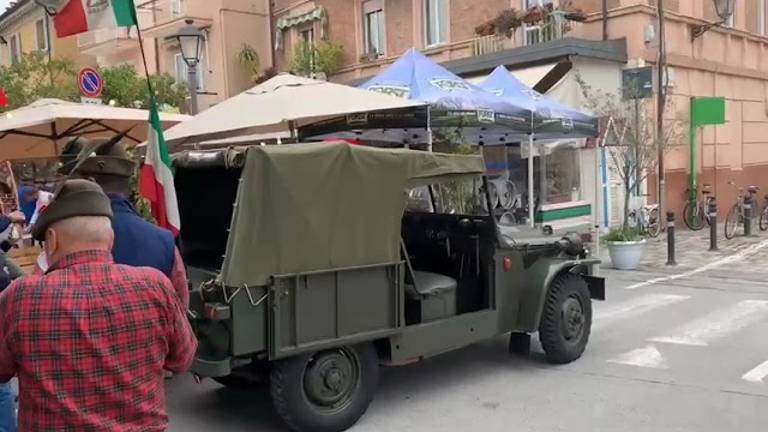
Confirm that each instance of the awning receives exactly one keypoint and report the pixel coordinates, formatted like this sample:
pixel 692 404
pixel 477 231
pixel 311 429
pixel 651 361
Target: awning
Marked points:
pixel 316 14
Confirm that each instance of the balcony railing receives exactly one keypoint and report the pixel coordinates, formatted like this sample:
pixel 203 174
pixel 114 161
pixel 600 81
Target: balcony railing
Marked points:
pixel 163 11
pixel 554 27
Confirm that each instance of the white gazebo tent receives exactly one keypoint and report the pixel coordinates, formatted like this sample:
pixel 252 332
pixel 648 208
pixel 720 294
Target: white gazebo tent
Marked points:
pixel 40 129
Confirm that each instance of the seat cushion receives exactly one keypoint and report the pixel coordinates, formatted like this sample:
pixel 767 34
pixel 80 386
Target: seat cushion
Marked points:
pixel 433 284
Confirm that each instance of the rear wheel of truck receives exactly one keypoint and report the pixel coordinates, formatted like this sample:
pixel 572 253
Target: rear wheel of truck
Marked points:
pixel 566 320
pixel 327 391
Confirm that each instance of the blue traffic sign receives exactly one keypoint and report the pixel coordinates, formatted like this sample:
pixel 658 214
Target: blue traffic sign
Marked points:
pixel 90 82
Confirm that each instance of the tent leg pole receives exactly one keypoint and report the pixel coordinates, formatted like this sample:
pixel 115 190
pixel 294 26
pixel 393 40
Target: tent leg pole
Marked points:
pixel 429 131
pixel 530 181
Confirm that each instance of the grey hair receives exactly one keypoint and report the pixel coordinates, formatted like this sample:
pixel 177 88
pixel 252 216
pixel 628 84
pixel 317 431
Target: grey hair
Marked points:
pixel 85 229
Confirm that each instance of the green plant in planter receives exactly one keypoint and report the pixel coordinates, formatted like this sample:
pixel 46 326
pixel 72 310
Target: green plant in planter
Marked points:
pixel 621 234
pixel 324 57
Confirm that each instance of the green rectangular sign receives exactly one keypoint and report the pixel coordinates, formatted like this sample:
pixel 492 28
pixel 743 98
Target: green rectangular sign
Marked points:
pixel 707 111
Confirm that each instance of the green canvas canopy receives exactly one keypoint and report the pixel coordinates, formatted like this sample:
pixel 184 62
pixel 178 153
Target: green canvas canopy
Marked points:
pixel 307 207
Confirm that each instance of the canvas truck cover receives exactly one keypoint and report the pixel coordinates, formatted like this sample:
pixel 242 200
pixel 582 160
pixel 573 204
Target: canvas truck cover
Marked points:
pixel 308 207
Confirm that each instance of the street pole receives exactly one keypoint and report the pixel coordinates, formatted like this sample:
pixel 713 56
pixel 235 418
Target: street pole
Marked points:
pixel 192 85
pixel 661 100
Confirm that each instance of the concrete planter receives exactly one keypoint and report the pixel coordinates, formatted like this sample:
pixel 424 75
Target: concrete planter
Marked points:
pixel 626 255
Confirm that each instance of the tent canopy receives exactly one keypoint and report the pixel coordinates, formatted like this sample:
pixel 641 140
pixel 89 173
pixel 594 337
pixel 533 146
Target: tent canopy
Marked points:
pixel 283 103
pixel 41 128
pixel 303 207
pixel 553 119
pixel 454 103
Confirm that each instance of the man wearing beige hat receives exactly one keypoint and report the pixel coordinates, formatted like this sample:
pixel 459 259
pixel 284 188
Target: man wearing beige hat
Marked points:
pixel 89 339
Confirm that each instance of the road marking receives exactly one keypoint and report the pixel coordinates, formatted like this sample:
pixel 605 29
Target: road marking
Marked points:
pixel 742 254
pixel 757 374
pixel 633 308
pixel 717 324
pixel 648 357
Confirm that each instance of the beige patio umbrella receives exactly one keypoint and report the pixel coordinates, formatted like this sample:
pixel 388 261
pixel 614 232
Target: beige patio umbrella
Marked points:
pixel 42 128
pixel 282 104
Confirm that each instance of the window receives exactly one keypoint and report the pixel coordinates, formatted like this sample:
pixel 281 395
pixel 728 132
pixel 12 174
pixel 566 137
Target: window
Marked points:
pixel 177 8
pixel 762 10
pixel 307 37
pixel 531 3
pixel 41 35
pixel 538 33
pixel 182 71
pixel 15 47
pixel 373 28
pixel 435 22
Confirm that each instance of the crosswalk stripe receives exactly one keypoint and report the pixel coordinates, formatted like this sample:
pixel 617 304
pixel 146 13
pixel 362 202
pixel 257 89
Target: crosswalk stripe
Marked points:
pixel 757 374
pixel 648 357
pixel 633 308
pixel 718 324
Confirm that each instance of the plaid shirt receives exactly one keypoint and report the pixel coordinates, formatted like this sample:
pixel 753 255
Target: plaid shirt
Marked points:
pixel 89 341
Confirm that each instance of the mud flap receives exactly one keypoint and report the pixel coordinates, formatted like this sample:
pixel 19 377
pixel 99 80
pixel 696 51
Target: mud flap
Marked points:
pixel 596 286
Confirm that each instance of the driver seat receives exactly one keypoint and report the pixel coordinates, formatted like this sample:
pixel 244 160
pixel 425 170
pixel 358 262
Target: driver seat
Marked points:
pixel 430 296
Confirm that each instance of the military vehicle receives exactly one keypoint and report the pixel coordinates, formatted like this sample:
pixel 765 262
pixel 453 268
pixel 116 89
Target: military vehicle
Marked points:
pixel 315 264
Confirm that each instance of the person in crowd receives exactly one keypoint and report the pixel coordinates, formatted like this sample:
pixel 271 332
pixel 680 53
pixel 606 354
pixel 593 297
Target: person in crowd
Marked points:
pixel 89 339
pixel 8 271
pixel 28 200
pixel 137 242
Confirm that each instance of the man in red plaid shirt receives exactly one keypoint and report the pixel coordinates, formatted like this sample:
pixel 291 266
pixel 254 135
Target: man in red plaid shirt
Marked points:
pixel 89 339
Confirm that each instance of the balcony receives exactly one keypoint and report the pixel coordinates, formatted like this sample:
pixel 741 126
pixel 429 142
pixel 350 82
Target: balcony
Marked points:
pixel 554 27
pixel 107 41
pixel 167 17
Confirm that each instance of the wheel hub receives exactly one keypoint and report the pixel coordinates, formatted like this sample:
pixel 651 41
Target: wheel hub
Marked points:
pixel 572 314
pixel 330 379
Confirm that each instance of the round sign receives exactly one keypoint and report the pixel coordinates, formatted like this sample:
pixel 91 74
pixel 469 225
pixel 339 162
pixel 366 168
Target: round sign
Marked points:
pixel 90 82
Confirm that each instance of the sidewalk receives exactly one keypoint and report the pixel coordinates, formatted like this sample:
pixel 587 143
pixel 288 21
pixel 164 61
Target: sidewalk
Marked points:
pixel 743 255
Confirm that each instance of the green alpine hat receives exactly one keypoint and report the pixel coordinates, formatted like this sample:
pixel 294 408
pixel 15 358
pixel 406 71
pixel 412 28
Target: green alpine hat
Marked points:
pixel 76 197
pixel 104 156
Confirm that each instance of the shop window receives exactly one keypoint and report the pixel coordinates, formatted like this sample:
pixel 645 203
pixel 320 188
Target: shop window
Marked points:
pixel 435 22
pixel 373 28
pixel 41 35
pixel 563 175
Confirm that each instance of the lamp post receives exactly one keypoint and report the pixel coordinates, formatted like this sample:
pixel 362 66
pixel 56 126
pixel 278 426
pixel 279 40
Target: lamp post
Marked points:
pixel 723 9
pixel 190 40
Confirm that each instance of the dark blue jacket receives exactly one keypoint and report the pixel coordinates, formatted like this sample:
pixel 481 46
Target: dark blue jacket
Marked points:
pixel 139 243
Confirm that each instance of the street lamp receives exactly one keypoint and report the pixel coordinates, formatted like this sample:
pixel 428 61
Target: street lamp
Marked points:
pixel 190 40
pixel 724 10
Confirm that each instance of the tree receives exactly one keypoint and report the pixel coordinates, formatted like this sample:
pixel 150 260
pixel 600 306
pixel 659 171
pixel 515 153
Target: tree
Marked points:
pixel 635 151
pixel 34 76
pixel 124 86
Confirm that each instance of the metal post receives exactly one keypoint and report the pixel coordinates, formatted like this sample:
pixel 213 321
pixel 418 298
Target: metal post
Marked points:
pixel 748 214
pixel 661 100
pixel 192 85
pixel 530 181
pixel 542 175
pixel 712 210
pixel 671 238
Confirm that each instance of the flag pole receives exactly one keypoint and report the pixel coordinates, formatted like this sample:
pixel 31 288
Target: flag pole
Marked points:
pixel 143 56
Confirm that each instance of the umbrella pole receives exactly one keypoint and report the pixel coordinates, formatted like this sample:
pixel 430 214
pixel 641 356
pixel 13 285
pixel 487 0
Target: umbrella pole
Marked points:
pixel 530 180
pixel 429 130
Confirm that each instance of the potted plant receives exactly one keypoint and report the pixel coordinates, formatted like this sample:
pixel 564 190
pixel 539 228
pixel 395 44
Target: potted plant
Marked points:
pixel 507 22
pixel 573 13
pixel 487 28
pixel 632 147
pixel 534 15
pixel 625 247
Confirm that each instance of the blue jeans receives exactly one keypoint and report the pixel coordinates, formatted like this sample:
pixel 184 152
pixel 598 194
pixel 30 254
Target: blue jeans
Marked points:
pixel 7 408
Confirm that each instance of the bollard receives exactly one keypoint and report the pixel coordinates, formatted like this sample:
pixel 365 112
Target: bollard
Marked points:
pixel 748 214
pixel 712 211
pixel 671 238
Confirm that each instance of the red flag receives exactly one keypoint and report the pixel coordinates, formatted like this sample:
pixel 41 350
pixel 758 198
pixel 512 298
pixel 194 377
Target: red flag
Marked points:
pixel 3 98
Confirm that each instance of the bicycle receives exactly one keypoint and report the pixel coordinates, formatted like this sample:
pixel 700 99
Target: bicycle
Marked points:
pixel 764 216
pixel 695 213
pixel 737 214
pixel 646 218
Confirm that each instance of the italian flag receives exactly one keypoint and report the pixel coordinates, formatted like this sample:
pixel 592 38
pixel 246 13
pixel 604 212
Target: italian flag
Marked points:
pixel 80 16
pixel 156 177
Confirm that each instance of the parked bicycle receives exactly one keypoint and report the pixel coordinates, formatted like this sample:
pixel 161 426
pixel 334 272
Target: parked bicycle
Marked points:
pixel 764 216
pixel 695 213
pixel 646 218
pixel 737 214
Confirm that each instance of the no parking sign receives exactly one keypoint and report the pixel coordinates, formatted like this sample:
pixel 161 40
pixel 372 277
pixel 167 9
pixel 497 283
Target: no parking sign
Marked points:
pixel 90 82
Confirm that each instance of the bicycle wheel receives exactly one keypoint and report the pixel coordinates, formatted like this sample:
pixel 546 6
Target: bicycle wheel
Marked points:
pixel 654 223
pixel 693 216
pixel 732 221
pixel 764 219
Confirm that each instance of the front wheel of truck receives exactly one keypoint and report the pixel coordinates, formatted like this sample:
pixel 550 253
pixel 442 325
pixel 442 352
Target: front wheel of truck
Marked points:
pixel 566 320
pixel 327 391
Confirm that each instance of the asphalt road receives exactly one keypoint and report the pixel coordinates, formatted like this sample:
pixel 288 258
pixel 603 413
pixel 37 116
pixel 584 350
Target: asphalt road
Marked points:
pixel 684 353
